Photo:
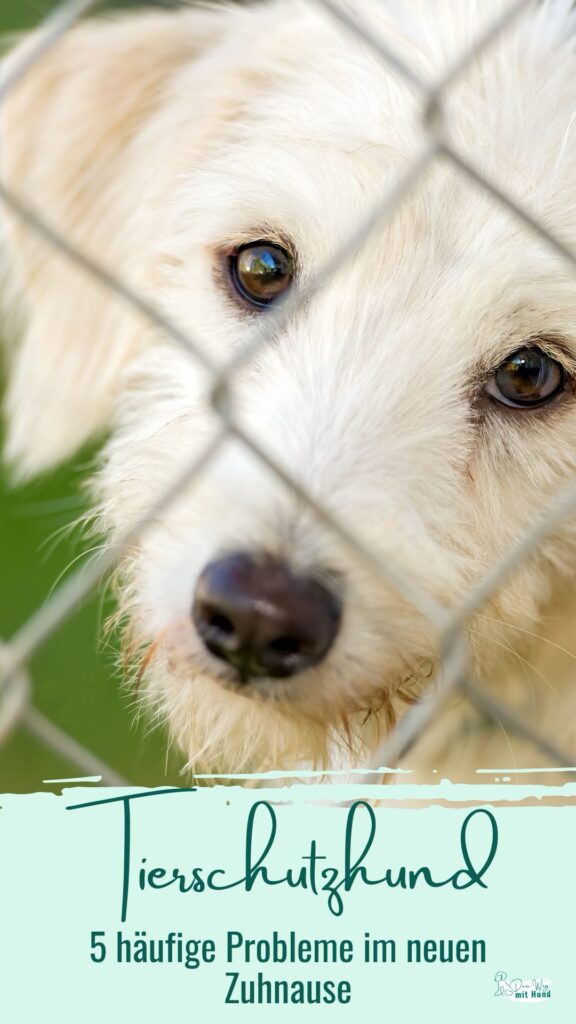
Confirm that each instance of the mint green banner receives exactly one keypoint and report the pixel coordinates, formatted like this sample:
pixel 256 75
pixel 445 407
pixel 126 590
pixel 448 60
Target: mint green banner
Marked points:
pixel 235 903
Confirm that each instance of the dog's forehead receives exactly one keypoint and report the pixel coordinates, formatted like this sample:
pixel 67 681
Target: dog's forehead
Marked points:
pixel 328 90
pixel 350 128
pixel 325 131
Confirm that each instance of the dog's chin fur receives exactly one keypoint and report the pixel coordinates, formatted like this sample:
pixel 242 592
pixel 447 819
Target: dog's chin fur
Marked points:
pixel 158 142
pixel 227 726
pixel 229 731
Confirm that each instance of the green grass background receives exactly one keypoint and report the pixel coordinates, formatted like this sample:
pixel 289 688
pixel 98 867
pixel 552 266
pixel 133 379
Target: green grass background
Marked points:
pixel 74 678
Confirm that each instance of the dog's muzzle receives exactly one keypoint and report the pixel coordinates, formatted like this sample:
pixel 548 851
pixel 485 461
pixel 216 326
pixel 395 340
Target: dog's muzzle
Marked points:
pixel 264 619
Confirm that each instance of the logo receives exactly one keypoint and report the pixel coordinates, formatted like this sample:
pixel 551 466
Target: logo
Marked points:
pixel 527 990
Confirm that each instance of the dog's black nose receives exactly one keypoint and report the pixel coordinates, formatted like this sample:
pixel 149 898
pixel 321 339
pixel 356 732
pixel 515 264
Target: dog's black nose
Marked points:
pixel 262 618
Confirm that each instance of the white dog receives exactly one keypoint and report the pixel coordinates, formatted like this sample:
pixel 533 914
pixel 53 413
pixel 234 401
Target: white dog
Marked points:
pixel 216 158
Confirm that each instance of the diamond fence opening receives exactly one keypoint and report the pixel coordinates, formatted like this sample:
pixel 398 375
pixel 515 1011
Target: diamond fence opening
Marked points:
pixel 454 672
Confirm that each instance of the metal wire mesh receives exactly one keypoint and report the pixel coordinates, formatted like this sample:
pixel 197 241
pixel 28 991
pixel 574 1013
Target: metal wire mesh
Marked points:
pixel 454 672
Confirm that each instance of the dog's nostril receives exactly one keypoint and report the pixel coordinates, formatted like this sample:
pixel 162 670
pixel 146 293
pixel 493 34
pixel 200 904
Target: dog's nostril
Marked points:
pixel 286 645
pixel 219 622
pixel 262 618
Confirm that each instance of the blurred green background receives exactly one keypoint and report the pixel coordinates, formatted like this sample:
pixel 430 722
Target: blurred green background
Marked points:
pixel 74 677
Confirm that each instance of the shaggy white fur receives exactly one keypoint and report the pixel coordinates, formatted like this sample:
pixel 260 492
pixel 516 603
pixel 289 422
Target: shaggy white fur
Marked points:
pixel 161 141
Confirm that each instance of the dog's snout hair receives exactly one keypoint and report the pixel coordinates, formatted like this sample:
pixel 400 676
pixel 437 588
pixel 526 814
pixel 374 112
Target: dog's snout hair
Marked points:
pixel 424 396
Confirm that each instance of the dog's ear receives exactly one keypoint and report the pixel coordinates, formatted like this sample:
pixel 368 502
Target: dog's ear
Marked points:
pixel 70 129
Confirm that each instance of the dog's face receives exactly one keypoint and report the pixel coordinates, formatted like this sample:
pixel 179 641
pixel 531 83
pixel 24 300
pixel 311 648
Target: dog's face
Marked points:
pixel 424 396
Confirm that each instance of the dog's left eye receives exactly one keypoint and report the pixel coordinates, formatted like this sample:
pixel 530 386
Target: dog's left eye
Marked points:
pixel 526 379
pixel 261 272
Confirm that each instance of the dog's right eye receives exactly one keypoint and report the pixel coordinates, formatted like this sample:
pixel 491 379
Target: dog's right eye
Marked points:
pixel 527 379
pixel 261 272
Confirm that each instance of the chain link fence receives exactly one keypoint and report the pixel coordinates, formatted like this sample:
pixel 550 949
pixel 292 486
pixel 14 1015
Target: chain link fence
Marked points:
pixel 454 674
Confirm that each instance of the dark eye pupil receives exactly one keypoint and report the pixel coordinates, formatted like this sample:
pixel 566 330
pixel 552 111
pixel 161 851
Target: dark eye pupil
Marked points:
pixel 528 377
pixel 261 272
pixel 523 373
